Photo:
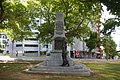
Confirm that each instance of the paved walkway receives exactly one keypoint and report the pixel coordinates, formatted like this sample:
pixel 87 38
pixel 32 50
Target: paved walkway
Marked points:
pixel 31 58
pixel 41 58
pixel 6 58
pixel 22 58
pixel 96 60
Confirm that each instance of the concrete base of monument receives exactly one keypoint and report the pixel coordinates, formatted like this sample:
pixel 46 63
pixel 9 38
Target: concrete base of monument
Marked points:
pixel 53 66
pixel 55 59
pixel 76 69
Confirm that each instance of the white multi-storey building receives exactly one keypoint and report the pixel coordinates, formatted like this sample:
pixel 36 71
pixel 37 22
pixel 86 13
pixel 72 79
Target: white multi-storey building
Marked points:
pixel 28 47
pixel 115 35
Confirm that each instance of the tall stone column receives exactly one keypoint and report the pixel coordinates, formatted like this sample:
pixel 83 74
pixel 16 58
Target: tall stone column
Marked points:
pixel 55 58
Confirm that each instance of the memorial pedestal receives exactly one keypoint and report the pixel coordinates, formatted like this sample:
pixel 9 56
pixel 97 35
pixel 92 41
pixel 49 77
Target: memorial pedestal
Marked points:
pixel 55 59
pixel 76 69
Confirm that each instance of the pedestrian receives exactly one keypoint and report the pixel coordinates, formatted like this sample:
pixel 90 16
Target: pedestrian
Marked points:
pixel 16 53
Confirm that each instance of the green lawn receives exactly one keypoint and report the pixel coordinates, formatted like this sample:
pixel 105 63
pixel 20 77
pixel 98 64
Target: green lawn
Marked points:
pixel 103 71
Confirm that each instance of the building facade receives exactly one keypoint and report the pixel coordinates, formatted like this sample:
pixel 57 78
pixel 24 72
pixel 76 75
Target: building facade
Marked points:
pixel 3 42
pixel 28 47
pixel 115 35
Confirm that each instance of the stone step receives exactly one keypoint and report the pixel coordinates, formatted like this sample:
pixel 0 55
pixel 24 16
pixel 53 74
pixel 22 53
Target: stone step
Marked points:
pixel 78 67
pixel 59 70
pixel 80 73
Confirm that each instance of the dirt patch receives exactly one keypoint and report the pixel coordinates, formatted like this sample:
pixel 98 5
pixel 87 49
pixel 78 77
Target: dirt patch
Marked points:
pixel 20 76
pixel 26 76
pixel 15 72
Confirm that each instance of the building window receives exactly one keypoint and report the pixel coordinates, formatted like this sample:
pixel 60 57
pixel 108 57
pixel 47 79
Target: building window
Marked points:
pixel 31 45
pixel 37 20
pixel 0 35
pixel 3 46
pixel 44 46
pixel 4 41
pixel 18 45
pixel 49 46
pixel 3 36
pixel 36 32
pixel 119 43
pixel 7 39
pixel 32 39
pixel 30 51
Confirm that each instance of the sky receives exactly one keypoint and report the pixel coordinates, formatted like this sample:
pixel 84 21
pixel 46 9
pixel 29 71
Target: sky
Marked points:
pixel 106 15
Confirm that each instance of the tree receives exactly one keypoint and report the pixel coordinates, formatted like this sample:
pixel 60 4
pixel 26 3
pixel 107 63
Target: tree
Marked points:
pixel 109 26
pixel 109 46
pixel 107 42
pixel 77 16
pixel 15 18
pixel 1 49
pixel 92 42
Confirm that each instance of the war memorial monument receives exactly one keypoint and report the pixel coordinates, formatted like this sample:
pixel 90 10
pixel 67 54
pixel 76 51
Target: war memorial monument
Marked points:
pixel 59 62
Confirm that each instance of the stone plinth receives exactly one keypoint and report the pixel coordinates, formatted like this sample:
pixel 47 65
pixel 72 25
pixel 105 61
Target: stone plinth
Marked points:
pixel 55 59
pixel 76 69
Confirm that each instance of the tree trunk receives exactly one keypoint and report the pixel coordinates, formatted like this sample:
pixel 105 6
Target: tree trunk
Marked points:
pixel 1 11
pixel 12 47
pixel 90 55
pixel 107 56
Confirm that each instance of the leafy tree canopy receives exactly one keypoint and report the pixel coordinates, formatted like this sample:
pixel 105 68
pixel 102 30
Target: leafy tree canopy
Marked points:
pixel 109 45
pixel 109 25
pixel 92 41
pixel 15 17
pixel 78 14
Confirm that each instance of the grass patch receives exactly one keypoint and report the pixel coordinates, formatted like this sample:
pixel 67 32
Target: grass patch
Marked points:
pixel 103 71
pixel 12 67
